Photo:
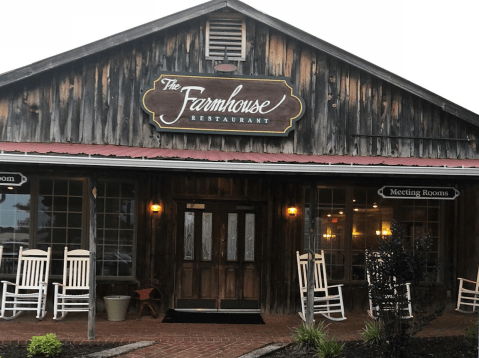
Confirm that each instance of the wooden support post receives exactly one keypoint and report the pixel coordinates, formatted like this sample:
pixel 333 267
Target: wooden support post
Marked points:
pixel 92 247
pixel 312 241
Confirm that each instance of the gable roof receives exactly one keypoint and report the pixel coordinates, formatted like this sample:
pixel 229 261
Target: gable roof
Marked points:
pixel 214 5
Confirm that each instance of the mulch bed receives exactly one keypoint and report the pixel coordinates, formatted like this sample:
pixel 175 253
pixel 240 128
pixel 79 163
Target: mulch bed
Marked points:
pixel 444 347
pixel 68 350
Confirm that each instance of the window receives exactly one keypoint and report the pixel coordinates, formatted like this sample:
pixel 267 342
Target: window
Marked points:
pixel 330 223
pixel 53 212
pixel 419 218
pixel 14 224
pixel 60 218
pixel 115 229
pixel 226 31
pixel 372 217
pixel 350 220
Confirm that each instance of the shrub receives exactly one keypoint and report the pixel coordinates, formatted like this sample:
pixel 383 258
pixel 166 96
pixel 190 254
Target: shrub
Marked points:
pixel 471 333
pixel 328 348
pixel 310 336
pixel 371 333
pixel 316 338
pixel 397 261
pixel 47 345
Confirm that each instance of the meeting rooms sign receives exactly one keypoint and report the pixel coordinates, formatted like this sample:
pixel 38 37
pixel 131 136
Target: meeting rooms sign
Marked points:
pixel 244 105
pixel 418 192
pixel 12 179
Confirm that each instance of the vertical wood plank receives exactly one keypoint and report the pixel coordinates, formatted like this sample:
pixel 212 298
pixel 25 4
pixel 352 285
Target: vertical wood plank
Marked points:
pixel 344 111
pixel 353 112
pixel 453 133
pixel 395 126
pixel 386 119
pixel 427 125
pixel 365 120
pixel 376 128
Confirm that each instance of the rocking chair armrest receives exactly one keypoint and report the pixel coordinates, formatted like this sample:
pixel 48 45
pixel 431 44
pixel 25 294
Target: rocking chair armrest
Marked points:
pixel 340 285
pixel 58 284
pixel 466 280
pixel 9 283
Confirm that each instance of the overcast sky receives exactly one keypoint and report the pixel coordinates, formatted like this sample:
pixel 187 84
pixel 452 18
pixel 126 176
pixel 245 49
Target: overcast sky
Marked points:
pixel 434 44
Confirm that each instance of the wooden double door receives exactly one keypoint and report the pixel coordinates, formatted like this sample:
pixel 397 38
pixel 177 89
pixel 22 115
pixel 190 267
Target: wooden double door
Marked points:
pixel 218 256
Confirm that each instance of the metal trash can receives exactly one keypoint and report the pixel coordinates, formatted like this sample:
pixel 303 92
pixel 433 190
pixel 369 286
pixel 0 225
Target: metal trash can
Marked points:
pixel 116 307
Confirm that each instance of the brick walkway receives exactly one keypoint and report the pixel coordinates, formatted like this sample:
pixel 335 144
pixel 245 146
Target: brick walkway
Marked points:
pixel 200 340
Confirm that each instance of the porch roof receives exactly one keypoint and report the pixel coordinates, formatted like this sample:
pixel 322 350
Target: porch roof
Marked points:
pixel 68 154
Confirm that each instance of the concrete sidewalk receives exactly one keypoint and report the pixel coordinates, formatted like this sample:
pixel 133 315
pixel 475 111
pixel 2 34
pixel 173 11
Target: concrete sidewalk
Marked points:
pixel 201 339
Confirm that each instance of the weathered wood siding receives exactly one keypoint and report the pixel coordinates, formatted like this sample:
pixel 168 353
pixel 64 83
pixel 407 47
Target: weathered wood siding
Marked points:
pixel 348 111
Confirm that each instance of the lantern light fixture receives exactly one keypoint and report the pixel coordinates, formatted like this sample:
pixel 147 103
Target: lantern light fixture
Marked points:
pixel 155 208
pixel 292 211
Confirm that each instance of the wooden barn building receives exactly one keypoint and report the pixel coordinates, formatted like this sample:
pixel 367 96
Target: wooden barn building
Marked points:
pixel 242 156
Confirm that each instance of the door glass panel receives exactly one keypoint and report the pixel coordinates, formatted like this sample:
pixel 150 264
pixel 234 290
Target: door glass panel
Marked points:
pixel 232 236
pixel 206 242
pixel 189 250
pixel 249 237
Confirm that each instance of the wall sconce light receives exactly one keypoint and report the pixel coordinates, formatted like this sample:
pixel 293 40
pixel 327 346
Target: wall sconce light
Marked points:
pixel 155 208
pixel 292 211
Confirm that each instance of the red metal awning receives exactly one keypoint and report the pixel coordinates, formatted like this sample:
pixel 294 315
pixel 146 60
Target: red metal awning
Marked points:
pixel 218 156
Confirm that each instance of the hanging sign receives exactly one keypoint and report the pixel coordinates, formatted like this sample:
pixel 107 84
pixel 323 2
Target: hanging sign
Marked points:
pixel 418 192
pixel 12 179
pixel 245 105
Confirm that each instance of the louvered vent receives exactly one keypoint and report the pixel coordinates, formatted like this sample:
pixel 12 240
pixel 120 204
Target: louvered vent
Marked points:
pixel 225 31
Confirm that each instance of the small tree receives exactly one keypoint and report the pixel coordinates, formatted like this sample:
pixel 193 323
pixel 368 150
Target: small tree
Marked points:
pixel 396 262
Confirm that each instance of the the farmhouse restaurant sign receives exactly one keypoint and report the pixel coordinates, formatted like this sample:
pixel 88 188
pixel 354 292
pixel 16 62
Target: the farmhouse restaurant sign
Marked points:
pixel 418 192
pixel 218 104
pixel 12 179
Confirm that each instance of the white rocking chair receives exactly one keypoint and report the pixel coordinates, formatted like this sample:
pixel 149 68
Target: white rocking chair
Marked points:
pixel 468 297
pixel 330 306
pixel 30 287
pixel 373 311
pixel 74 295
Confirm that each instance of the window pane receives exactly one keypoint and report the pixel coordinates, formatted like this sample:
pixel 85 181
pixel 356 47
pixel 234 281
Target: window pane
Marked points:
pixel 232 244
pixel 115 228
pixel 249 237
pixel 330 229
pixel 14 224
pixel 59 217
pixel 206 238
pixel 372 218
pixel 189 236
pixel 420 219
